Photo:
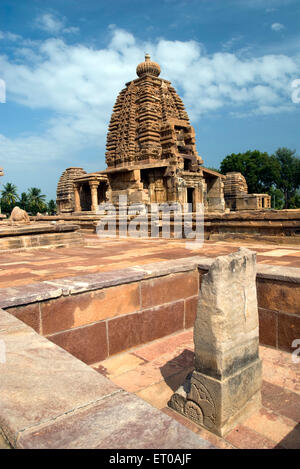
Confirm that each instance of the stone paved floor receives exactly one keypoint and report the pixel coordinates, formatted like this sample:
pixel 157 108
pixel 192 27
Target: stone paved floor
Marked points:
pixel 21 268
pixel 153 371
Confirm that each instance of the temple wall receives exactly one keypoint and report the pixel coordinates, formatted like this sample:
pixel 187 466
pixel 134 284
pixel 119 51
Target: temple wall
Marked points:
pixel 253 202
pixel 215 198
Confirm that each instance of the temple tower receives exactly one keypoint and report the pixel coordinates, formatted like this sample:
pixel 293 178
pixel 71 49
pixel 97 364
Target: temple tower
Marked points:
pixel 151 153
pixel 151 150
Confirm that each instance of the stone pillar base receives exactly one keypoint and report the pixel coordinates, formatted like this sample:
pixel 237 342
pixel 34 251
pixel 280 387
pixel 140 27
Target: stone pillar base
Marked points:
pixel 219 405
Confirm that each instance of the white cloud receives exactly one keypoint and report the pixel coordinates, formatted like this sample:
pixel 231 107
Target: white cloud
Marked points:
pixel 6 35
pixel 49 23
pixel 54 25
pixel 277 27
pixel 78 85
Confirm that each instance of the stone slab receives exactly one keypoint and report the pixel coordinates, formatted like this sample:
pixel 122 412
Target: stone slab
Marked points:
pixel 286 274
pixel 88 282
pixel 156 269
pixel 122 421
pixel 36 228
pixel 40 381
pixel 25 294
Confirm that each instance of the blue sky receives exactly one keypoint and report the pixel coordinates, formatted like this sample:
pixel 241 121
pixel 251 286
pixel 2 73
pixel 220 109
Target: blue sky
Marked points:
pixel 233 62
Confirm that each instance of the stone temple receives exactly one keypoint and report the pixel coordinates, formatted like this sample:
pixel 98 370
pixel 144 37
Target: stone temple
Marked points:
pixel 151 154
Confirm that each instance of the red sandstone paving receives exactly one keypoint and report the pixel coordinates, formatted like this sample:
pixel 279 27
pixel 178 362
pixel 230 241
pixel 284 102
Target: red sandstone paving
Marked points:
pixel 155 349
pixel 168 360
pixel 100 255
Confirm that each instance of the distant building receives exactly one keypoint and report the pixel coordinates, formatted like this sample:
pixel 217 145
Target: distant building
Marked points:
pixel 237 197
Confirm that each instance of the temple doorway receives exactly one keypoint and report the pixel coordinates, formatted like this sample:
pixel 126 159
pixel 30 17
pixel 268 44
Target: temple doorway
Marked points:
pixel 190 198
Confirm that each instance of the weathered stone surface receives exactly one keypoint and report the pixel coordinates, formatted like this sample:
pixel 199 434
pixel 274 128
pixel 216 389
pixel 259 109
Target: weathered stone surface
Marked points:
pixel 279 296
pixel 23 295
pixel 49 399
pixel 157 269
pixel 30 314
pixel 88 344
pixel 190 311
pixel 19 215
pixel 226 327
pixel 37 235
pixel 288 331
pixel 88 282
pixel 226 383
pixel 3 442
pixel 134 329
pixel 273 272
pixel 268 327
pixel 122 421
pixel 169 288
pixel 72 311
pixel 40 381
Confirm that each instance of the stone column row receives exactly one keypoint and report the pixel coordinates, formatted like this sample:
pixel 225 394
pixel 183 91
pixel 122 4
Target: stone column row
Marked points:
pixel 94 196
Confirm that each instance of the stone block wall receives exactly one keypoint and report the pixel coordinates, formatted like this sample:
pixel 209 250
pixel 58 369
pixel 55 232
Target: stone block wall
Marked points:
pixel 93 325
pixel 98 315
pixel 279 312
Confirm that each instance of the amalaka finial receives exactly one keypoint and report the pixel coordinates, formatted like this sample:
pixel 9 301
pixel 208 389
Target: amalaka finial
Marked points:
pixel 148 67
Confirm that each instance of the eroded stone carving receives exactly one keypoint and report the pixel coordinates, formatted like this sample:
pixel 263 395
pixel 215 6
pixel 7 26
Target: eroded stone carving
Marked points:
pixel 19 216
pixel 225 385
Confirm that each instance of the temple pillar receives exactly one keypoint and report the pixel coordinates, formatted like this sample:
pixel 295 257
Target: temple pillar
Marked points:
pixel 77 207
pixel 94 195
pixel 225 386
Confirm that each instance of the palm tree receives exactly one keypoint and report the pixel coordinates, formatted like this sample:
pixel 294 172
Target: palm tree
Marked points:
pixel 9 197
pixel 36 200
pixel 24 201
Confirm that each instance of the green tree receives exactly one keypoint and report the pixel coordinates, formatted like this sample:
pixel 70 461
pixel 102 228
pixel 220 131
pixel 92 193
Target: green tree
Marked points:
pixel 260 170
pixel 277 198
pixel 51 207
pixel 9 197
pixel 36 201
pixel 24 201
pixel 294 201
pixel 289 180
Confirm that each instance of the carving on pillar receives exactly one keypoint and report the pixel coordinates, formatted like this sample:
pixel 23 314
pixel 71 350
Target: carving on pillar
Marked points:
pixel 198 405
pixel 200 396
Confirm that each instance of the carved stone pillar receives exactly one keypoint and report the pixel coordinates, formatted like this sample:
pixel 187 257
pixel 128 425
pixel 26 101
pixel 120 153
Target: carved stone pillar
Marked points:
pixel 94 195
pixel 77 207
pixel 225 386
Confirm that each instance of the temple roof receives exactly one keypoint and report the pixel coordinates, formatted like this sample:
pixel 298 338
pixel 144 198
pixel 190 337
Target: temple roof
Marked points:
pixel 149 122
